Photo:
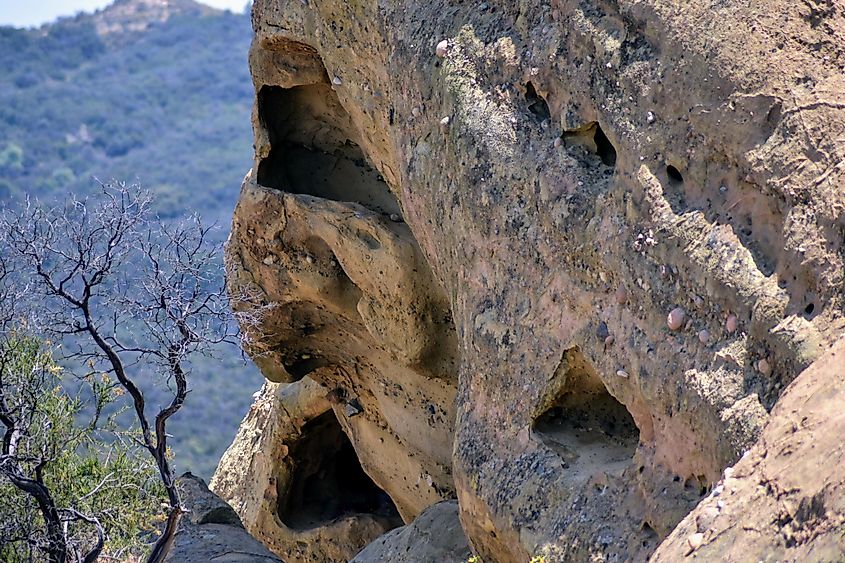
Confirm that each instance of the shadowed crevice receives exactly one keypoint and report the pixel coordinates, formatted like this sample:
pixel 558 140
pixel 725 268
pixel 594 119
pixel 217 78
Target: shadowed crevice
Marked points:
pixel 327 481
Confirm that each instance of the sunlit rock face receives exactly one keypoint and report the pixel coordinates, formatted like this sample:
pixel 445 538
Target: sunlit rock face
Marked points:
pixel 558 260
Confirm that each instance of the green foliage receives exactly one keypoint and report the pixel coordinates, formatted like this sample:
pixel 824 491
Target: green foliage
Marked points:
pixel 11 158
pixel 169 107
pixel 110 479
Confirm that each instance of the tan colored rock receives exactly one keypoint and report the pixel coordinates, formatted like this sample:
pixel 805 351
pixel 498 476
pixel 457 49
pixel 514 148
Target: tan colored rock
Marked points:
pixel 726 197
pixel 294 479
pixel 785 499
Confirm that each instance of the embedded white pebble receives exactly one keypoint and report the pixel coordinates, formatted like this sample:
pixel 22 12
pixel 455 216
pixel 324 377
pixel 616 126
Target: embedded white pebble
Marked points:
pixel 558 142
pixel 395 217
pixel 729 472
pixel 445 122
pixel 415 112
pixel 442 48
pixel 309 259
pixel 676 318
pixel 269 260
pixel 337 81
pixel 731 323
pixel 696 540
pixel 622 373
pixel 650 117
pixel 704 336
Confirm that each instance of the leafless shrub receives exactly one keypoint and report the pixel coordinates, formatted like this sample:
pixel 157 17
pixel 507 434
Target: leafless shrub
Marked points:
pixel 127 295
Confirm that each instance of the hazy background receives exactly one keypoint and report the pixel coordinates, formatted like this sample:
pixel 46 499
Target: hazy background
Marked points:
pixel 127 96
pixel 28 13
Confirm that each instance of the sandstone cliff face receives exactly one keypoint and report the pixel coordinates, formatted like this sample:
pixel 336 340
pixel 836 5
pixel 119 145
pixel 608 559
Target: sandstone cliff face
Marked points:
pixel 557 259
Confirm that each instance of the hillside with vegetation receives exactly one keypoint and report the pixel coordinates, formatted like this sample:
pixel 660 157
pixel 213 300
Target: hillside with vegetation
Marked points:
pixel 162 99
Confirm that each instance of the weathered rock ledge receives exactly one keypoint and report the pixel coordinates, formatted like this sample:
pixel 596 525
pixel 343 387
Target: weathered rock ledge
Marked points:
pixel 555 260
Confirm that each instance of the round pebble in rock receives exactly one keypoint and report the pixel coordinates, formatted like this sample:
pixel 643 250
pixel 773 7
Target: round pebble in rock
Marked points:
pixel 609 340
pixel 704 336
pixel 441 48
pixel 676 318
pixel 337 81
pixel 621 295
pixel 395 217
pixel 696 540
pixel 731 323
pixel 445 122
pixel 764 367
pixel 622 373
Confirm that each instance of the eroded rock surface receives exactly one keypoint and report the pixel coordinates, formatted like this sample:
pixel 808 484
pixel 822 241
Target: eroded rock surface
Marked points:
pixel 611 233
pixel 212 531
pixel 295 480
pixel 785 499
pixel 435 536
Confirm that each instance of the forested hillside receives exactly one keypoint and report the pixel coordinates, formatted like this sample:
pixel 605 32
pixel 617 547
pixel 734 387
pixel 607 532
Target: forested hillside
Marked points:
pixel 163 103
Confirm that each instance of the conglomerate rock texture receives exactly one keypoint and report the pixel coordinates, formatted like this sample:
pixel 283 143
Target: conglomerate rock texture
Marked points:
pixel 556 259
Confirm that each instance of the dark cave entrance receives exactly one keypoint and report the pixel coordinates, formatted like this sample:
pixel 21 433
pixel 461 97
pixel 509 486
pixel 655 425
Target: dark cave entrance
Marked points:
pixel 327 481
pixel 592 138
pixel 584 424
pixel 313 149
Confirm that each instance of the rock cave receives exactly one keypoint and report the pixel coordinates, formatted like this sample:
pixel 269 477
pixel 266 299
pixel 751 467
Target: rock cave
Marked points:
pixel 327 481
pixel 577 266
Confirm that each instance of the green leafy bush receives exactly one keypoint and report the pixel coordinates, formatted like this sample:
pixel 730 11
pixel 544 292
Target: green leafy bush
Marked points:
pixel 89 467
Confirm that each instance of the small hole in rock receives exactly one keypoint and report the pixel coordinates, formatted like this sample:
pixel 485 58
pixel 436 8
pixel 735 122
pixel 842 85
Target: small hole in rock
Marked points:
pixel 536 104
pixel 604 147
pixel 592 138
pixel 674 174
pixel 808 310
pixel 301 365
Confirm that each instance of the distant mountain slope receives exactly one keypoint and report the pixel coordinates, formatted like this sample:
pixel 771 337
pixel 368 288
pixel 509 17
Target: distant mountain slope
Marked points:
pixel 144 90
pixel 169 105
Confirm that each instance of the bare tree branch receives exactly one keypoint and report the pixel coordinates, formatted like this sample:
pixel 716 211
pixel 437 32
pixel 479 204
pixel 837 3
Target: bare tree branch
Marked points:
pixel 146 295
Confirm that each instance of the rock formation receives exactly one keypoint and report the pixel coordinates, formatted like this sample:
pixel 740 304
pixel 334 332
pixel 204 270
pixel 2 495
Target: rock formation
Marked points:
pixel 557 260
pixel 212 531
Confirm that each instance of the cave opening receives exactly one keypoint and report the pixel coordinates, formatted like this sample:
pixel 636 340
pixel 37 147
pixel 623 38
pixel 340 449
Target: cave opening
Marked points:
pixel 537 105
pixel 313 149
pixel 674 174
pixel 584 424
pixel 327 481
pixel 592 138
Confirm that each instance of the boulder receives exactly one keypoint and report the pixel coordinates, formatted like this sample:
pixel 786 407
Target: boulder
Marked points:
pixel 435 536
pixel 562 266
pixel 212 531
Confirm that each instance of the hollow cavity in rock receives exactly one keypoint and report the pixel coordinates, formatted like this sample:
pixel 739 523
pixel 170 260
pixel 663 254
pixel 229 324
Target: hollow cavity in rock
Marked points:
pixel 585 425
pixel 313 149
pixel 592 138
pixel 327 481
